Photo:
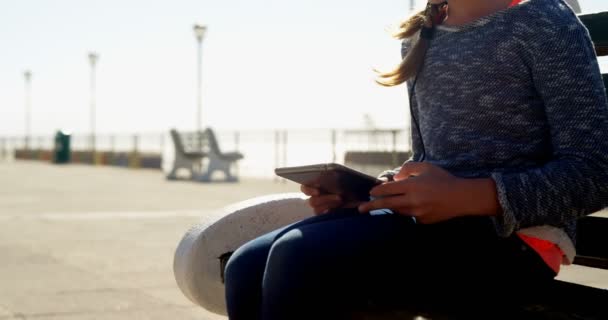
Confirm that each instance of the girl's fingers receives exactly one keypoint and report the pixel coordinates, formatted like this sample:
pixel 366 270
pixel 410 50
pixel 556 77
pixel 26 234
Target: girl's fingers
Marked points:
pixel 325 201
pixel 400 201
pixel 309 191
pixel 392 188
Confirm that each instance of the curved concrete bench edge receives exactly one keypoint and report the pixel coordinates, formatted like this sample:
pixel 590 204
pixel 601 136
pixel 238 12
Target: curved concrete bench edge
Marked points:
pixel 196 265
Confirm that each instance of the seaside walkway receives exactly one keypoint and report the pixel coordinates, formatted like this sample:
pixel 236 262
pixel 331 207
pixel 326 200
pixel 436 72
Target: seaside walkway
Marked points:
pixel 82 242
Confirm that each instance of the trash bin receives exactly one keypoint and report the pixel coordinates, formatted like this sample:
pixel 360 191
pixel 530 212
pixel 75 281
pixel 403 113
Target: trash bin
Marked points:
pixel 61 150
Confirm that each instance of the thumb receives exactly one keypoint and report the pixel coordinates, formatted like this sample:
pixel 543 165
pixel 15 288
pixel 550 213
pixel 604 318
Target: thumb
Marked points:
pixel 412 169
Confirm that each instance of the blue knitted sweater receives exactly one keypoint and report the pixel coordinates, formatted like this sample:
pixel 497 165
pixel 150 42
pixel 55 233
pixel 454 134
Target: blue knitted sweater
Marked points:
pixel 518 97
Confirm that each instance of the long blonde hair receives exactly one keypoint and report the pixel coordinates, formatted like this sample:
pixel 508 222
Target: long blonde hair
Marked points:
pixel 410 29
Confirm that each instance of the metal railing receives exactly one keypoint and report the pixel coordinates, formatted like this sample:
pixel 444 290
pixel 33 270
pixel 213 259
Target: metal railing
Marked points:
pixel 264 150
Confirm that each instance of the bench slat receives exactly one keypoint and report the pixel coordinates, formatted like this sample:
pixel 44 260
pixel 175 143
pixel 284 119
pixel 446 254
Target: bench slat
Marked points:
pixel 592 262
pixel 191 148
pixel 561 300
pixel 597 24
pixel 592 242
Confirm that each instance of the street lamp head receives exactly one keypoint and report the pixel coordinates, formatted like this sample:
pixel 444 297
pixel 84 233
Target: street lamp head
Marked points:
pixel 199 31
pixel 93 57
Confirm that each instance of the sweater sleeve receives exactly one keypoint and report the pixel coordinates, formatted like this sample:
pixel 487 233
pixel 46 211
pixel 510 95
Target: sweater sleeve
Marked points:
pixel 574 182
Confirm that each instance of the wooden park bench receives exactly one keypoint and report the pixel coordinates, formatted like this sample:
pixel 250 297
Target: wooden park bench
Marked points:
pixel 199 154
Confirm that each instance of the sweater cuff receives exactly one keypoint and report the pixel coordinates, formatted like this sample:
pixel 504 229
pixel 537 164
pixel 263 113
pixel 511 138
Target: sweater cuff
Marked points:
pixel 388 174
pixel 505 223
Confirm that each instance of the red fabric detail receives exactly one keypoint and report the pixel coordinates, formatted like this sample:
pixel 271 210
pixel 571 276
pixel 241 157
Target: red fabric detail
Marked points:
pixel 551 254
pixel 514 3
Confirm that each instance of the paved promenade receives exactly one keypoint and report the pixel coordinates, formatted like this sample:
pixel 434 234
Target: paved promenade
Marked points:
pixel 78 242
pixel 81 242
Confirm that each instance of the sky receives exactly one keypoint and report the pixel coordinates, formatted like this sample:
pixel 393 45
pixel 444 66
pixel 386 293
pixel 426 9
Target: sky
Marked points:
pixel 267 64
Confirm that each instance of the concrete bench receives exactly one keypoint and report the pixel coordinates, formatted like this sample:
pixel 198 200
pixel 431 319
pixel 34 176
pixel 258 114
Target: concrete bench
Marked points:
pixel 199 154
pixel 202 253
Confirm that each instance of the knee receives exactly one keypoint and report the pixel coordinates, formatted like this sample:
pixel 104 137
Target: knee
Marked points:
pixel 288 246
pixel 243 264
pixel 292 251
pixel 234 266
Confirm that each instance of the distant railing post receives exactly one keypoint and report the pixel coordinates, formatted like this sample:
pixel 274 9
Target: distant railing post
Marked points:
pixel 33 148
pixel 134 163
pixel 284 151
pixel 15 145
pixel 12 146
pixel 333 145
pixel 237 138
pixel 39 155
pixel 3 143
pixel 410 142
pixel 112 143
pixel 395 160
pixel 24 144
pixel 162 143
pixel 135 143
pixel 277 157
pixel 112 156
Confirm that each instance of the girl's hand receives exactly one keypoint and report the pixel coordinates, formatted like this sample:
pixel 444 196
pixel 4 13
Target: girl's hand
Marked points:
pixel 323 203
pixel 431 194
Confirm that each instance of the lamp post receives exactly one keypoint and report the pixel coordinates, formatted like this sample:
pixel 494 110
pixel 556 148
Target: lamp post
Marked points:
pixel 199 32
pixel 93 58
pixel 28 107
pixel 412 5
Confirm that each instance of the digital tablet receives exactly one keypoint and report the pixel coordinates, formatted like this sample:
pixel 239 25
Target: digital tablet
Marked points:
pixel 332 178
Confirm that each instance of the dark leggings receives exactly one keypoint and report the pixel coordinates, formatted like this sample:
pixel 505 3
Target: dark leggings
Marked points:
pixel 327 266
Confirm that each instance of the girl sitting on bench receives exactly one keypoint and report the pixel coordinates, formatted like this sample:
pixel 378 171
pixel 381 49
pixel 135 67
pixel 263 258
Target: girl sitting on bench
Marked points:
pixel 510 147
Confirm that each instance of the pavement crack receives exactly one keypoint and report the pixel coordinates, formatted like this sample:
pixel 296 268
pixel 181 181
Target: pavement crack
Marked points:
pixel 113 289
pixel 30 316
